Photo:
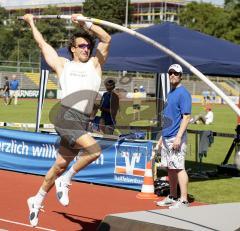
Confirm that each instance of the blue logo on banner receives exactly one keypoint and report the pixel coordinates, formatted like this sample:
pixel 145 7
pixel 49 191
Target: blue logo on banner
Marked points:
pixel 130 159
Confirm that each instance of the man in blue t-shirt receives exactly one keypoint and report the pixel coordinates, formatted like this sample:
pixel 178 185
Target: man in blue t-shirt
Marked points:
pixel 173 142
pixel 14 86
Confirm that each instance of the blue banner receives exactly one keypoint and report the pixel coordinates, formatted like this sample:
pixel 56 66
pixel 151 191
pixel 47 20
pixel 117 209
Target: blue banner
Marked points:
pixel 121 164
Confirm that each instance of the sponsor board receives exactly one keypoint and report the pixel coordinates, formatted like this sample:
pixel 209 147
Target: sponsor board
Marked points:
pixel 130 162
pixel 50 94
pixel 120 164
pixel 28 93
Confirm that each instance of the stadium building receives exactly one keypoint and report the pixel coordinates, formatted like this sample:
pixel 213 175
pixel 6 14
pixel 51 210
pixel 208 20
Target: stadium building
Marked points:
pixel 144 12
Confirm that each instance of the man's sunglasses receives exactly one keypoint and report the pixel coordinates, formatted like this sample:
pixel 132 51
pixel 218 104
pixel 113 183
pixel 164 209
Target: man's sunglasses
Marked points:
pixel 173 72
pixel 83 46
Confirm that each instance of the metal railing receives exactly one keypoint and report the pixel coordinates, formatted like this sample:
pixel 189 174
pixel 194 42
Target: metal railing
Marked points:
pixel 18 66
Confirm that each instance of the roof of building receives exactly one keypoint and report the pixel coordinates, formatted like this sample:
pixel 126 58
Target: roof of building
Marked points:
pixel 27 4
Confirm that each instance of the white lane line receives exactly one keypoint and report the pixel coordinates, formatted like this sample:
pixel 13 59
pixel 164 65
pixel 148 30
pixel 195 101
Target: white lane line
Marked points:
pixel 18 223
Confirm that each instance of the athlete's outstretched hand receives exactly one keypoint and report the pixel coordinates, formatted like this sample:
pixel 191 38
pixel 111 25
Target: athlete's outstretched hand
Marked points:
pixel 74 19
pixel 28 18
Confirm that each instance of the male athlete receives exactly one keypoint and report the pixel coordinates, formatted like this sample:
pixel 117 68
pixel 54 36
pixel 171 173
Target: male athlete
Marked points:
pixel 81 76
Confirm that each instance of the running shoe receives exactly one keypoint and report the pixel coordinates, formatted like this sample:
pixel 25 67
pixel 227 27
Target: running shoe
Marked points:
pixel 169 200
pixel 62 189
pixel 179 204
pixel 33 211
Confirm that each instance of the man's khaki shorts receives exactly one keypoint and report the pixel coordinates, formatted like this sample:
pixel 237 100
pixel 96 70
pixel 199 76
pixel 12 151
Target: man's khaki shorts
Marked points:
pixel 173 159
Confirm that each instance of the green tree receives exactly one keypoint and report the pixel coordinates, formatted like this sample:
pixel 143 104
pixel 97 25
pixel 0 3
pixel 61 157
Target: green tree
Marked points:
pixel 205 18
pixel 229 4
pixel 109 10
pixel 5 35
pixel 3 16
pixel 6 44
pixel 53 30
pixel 24 46
pixel 22 43
pixel 17 43
pixel 6 38
pixel 233 25
pixel 219 22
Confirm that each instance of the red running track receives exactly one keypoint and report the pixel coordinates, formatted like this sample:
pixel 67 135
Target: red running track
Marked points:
pixel 89 204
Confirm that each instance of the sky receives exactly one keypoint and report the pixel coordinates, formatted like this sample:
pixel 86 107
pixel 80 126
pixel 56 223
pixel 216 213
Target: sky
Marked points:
pixel 31 2
pixel 217 2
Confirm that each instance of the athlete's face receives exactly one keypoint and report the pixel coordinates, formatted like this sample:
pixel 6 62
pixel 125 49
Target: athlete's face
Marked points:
pixel 81 50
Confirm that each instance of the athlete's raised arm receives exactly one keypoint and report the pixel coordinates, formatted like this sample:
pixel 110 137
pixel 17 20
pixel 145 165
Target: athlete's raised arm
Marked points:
pixel 49 53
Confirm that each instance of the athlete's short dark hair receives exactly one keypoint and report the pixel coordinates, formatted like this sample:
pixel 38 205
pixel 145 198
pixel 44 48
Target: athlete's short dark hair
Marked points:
pixel 81 34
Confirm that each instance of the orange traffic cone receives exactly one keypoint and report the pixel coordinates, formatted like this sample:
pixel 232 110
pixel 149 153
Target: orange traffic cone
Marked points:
pixel 147 191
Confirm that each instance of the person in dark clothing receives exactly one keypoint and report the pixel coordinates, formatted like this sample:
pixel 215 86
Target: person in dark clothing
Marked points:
pixel 109 107
pixel 6 91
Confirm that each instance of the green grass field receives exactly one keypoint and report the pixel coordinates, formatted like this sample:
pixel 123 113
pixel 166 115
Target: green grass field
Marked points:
pixel 220 189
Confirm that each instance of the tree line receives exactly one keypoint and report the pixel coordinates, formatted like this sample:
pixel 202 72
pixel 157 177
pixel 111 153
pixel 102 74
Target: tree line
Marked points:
pixel 16 42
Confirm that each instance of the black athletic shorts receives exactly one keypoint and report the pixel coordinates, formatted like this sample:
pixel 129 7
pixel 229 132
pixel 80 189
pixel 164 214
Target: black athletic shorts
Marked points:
pixel 70 124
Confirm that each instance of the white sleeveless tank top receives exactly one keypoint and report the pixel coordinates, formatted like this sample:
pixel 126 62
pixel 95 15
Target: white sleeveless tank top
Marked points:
pixel 80 84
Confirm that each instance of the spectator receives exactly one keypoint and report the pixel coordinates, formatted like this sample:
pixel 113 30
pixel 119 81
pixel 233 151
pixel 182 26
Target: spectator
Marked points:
pixel 207 118
pixel 14 87
pixel 173 141
pixel 142 89
pixel 136 104
pixel 213 97
pixel 206 97
pixel 109 107
pixel 6 89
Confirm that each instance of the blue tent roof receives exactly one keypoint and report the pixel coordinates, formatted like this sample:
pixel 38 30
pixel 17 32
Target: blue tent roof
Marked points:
pixel 208 54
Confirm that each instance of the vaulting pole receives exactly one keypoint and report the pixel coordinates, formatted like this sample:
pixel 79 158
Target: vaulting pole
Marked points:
pixel 41 96
pixel 153 43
